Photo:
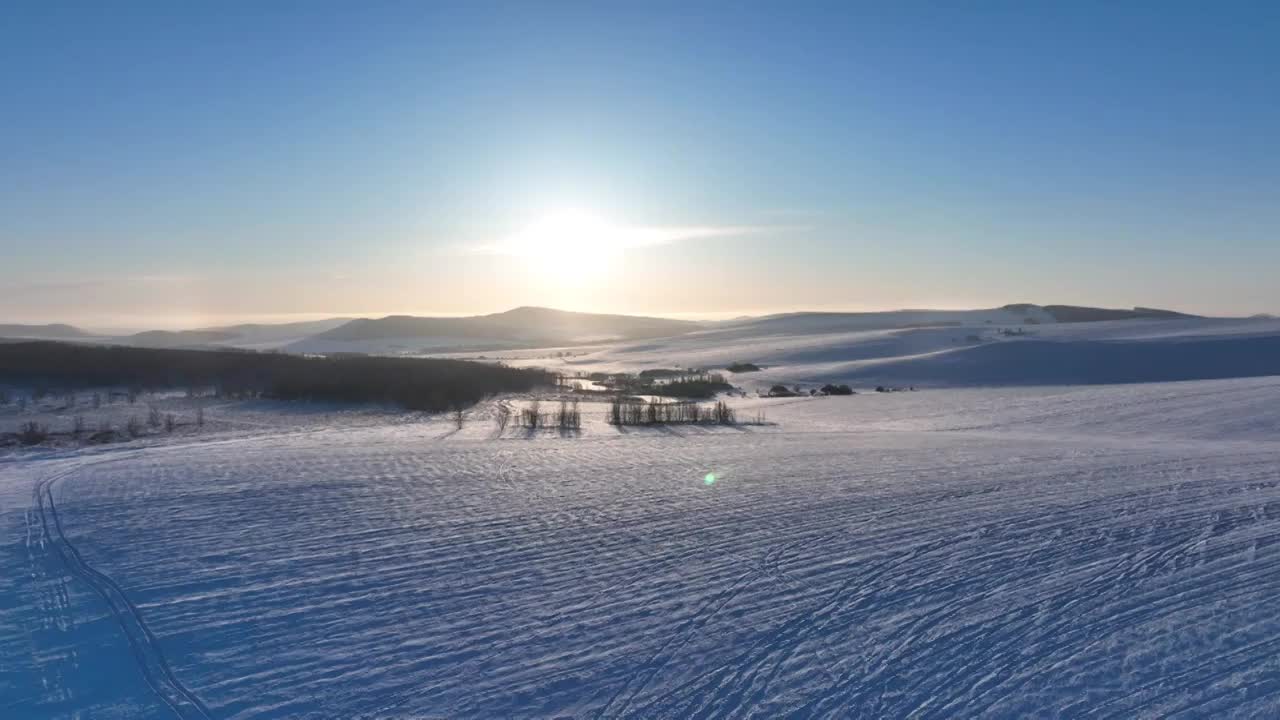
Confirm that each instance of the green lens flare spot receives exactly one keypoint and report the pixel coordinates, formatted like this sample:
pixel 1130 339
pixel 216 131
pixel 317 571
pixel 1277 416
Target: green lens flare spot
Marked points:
pixel 710 479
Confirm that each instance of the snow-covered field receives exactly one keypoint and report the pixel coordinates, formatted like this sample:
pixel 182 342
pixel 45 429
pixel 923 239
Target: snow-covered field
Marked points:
pixel 1070 551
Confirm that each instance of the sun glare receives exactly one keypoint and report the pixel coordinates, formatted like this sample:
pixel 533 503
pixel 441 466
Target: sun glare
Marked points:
pixel 569 248
pixel 565 232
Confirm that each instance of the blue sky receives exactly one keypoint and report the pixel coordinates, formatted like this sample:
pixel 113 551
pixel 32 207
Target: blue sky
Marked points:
pixel 179 163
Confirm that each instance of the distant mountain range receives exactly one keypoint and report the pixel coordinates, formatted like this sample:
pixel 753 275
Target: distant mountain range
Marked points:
pixel 529 327
pixel 247 336
pixel 55 331
pixel 523 324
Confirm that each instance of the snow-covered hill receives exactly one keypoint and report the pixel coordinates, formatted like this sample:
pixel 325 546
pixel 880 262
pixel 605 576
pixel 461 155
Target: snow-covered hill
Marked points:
pixel 978 353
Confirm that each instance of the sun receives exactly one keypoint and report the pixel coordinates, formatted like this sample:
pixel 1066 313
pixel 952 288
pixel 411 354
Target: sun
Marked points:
pixel 567 249
pixel 565 232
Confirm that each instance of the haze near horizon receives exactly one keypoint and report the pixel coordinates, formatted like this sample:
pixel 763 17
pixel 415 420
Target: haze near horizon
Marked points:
pixel 170 166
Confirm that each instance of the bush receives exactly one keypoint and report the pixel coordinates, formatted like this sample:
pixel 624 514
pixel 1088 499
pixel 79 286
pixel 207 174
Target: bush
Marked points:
pixel 837 390
pixel 170 422
pixel 133 427
pixel 102 436
pixel 743 367
pixel 33 433
pixel 153 417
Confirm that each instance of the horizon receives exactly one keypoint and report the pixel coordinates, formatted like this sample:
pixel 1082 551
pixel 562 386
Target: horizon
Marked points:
pixel 179 167
pixel 213 323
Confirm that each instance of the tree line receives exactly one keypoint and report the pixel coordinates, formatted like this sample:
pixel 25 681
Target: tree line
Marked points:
pixel 415 383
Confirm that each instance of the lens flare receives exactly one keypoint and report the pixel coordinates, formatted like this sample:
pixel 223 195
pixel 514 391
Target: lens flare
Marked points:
pixel 710 479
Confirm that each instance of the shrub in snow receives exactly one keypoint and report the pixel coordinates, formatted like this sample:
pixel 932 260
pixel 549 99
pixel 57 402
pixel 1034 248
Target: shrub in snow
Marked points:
pixel 33 433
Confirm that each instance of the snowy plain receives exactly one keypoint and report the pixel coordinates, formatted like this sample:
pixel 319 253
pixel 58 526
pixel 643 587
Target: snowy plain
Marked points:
pixel 1019 550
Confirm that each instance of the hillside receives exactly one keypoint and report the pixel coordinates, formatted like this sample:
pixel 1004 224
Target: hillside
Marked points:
pixel 802 349
pixel 51 331
pixel 521 327
pixel 249 335
pixel 176 338
pixel 1012 314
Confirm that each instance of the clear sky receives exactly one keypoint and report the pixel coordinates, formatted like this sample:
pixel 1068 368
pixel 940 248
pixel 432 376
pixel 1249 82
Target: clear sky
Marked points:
pixel 181 163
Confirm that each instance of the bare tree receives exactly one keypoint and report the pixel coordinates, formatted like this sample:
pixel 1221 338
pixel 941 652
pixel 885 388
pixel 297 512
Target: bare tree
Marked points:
pixel 568 417
pixel 531 416
pixel 170 422
pixel 153 416
pixel 199 417
pixel 723 414
pixel 134 426
pixel 458 416
pixel 501 416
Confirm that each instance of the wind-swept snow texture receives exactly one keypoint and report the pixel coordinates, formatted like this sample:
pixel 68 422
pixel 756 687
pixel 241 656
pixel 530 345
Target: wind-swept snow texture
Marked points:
pixel 1103 552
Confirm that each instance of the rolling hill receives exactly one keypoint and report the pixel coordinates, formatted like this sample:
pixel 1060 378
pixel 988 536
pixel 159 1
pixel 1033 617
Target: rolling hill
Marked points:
pixel 521 327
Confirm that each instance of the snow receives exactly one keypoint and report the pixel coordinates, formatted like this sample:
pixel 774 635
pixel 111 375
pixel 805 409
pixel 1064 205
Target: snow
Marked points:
pixel 1063 551
pixel 807 352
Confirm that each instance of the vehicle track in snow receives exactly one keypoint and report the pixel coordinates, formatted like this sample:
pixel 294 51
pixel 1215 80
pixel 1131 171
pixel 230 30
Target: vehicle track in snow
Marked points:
pixel 143 643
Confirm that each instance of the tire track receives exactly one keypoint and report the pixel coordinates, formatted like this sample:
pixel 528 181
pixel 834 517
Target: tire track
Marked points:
pixel 143 644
